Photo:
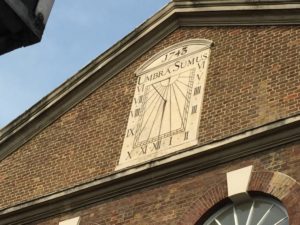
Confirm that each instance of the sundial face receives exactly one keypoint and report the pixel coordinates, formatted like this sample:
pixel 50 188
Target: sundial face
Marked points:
pixel 166 106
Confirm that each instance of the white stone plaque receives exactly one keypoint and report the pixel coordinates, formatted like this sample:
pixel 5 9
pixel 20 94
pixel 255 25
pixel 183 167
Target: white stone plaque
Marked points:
pixel 167 103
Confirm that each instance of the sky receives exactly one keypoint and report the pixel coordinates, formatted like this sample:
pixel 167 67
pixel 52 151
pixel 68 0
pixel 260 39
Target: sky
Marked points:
pixel 75 34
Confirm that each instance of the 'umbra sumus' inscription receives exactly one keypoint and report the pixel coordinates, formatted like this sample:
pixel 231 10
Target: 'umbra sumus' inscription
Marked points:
pixel 167 103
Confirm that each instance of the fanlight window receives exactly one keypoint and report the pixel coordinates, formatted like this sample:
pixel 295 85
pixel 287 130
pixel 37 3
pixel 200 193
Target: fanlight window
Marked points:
pixel 257 211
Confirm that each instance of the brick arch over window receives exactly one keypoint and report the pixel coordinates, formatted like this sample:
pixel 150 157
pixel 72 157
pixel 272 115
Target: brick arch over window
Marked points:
pixel 277 184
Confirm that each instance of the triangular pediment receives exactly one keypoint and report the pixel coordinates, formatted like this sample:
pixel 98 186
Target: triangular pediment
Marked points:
pixel 137 116
pixel 177 13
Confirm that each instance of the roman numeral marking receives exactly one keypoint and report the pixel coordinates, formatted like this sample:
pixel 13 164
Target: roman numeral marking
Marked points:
pixel 129 156
pixel 140 88
pixel 137 112
pixel 199 76
pixel 186 135
pixel 157 145
pixel 170 142
pixel 144 149
pixel 197 90
pixel 130 132
pixel 140 99
pixel 194 109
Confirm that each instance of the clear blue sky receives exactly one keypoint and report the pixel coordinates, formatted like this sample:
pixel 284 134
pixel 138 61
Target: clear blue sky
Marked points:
pixel 76 33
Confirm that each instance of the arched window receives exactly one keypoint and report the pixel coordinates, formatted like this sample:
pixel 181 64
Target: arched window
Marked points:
pixel 255 211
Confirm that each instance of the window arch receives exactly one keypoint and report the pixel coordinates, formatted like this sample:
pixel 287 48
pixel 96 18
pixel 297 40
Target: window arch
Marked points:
pixel 258 210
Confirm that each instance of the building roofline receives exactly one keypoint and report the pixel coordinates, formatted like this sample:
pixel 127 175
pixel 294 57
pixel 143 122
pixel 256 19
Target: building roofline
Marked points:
pixel 175 14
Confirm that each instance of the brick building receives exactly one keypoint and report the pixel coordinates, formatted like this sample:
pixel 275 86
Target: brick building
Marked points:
pixel 193 118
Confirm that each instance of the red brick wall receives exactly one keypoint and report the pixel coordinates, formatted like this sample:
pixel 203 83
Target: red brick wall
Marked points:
pixel 253 79
pixel 184 201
